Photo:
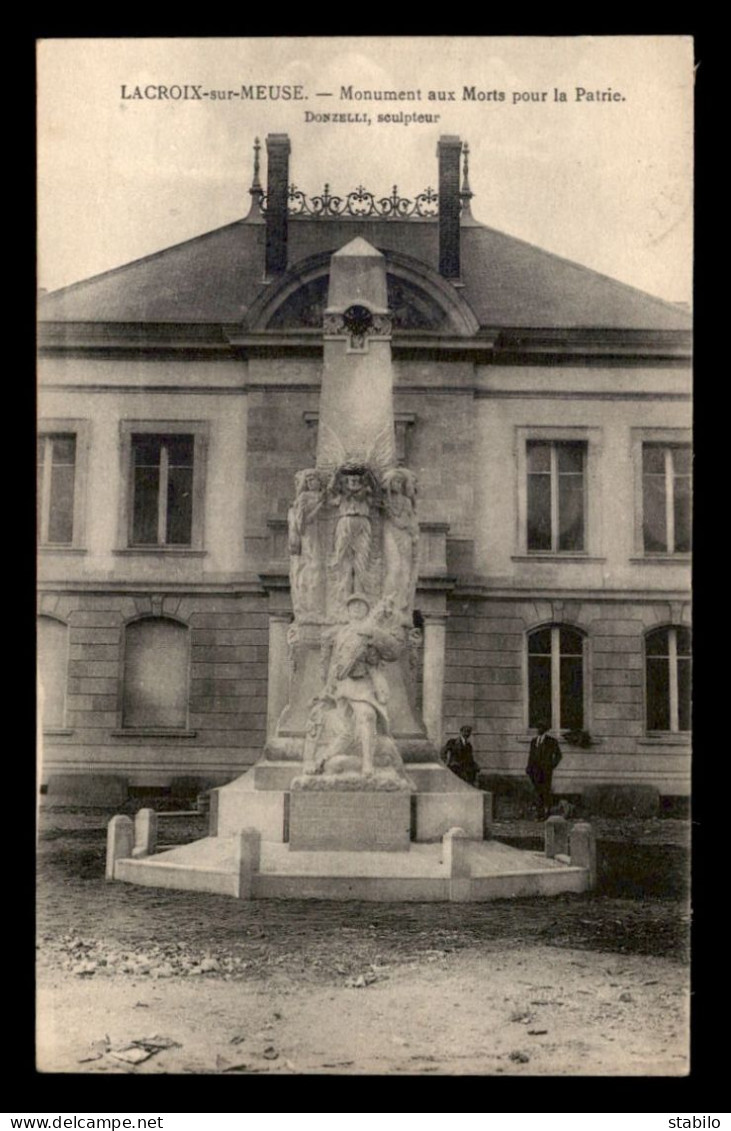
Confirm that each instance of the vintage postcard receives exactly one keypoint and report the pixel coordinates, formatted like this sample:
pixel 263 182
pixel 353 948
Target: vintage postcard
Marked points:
pixel 364 538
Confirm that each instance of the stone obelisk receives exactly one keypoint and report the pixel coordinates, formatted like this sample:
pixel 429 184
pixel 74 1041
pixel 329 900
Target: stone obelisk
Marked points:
pixel 356 400
pixel 351 716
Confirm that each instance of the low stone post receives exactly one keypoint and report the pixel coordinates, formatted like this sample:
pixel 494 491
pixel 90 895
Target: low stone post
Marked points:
pixel 120 838
pixel 145 833
pixel 557 837
pixel 487 815
pixel 582 849
pixel 248 855
pixel 213 807
pixel 455 854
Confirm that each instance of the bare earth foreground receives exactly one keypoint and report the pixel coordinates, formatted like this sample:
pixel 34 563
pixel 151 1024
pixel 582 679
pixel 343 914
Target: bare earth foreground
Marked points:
pixel 577 985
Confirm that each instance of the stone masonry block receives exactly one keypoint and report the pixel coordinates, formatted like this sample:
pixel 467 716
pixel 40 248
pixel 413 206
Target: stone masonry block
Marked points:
pixel 625 711
pixel 618 693
pixel 94 635
pixel 618 660
pixel 617 643
pixel 101 618
pixel 617 627
pixel 617 677
pixel 436 813
pixel 93 651
pixel 349 821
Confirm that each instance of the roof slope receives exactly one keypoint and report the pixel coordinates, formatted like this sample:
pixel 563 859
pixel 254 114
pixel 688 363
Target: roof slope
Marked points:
pixel 215 278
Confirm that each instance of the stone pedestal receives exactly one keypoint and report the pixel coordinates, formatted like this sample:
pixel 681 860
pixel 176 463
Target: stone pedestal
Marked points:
pixel 343 821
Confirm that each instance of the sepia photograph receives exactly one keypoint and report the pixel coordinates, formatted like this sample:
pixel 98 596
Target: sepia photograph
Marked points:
pixel 364 503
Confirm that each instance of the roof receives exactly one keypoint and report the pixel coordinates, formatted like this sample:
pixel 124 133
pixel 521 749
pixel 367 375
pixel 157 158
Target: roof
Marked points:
pixel 216 277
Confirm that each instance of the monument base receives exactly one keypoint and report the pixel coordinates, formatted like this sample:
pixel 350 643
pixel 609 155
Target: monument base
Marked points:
pixel 260 799
pixel 428 872
pixel 290 843
pixel 354 821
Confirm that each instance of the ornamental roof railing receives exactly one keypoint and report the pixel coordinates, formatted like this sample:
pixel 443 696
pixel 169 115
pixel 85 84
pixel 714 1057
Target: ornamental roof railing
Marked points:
pixel 360 204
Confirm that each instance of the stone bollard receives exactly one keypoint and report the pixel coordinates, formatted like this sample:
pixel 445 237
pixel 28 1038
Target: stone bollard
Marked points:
pixel 248 855
pixel 120 838
pixel 487 815
pixel 455 855
pixel 557 837
pixel 582 849
pixel 145 833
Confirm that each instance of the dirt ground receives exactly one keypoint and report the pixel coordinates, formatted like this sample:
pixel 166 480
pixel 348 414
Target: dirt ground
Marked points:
pixel 593 984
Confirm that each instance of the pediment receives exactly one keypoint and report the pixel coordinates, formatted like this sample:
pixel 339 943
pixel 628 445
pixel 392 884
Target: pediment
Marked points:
pixel 417 301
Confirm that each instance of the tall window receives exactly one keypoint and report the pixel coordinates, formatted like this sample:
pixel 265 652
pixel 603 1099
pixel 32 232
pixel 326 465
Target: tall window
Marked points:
pixel 155 674
pixel 668 679
pixel 162 490
pixel 56 471
pixel 666 498
pixel 556 495
pixel 556 678
pixel 53 652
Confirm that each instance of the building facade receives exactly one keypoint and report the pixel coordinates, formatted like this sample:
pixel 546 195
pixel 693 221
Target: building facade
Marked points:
pixel 545 408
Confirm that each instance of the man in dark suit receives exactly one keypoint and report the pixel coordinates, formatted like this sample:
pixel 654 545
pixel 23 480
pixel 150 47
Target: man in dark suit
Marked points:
pixel 545 755
pixel 457 754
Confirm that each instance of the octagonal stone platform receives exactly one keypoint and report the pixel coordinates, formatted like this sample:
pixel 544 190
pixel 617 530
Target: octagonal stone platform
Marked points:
pixel 282 843
pixel 426 872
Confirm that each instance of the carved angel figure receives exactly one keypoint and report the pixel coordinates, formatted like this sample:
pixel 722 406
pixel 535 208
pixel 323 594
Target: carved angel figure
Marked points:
pixel 305 568
pixel 400 539
pixel 353 487
pixel 351 490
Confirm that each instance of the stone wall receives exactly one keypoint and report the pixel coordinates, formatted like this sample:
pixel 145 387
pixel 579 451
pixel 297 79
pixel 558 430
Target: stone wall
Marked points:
pixel 226 723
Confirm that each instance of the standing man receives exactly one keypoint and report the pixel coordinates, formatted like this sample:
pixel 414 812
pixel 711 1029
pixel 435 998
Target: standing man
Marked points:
pixel 457 754
pixel 545 755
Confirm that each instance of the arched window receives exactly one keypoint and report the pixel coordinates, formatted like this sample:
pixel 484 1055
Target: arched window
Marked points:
pixel 556 678
pixel 53 650
pixel 155 674
pixel 668 679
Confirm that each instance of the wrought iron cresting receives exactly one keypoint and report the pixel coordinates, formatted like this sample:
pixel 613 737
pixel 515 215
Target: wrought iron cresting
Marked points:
pixel 360 204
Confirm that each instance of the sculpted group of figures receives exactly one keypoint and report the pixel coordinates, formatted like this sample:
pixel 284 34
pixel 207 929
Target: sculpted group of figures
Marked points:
pixel 359 497
pixel 370 583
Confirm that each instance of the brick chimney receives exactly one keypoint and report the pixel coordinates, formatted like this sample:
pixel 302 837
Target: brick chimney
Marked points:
pixel 449 149
pixel 278 148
